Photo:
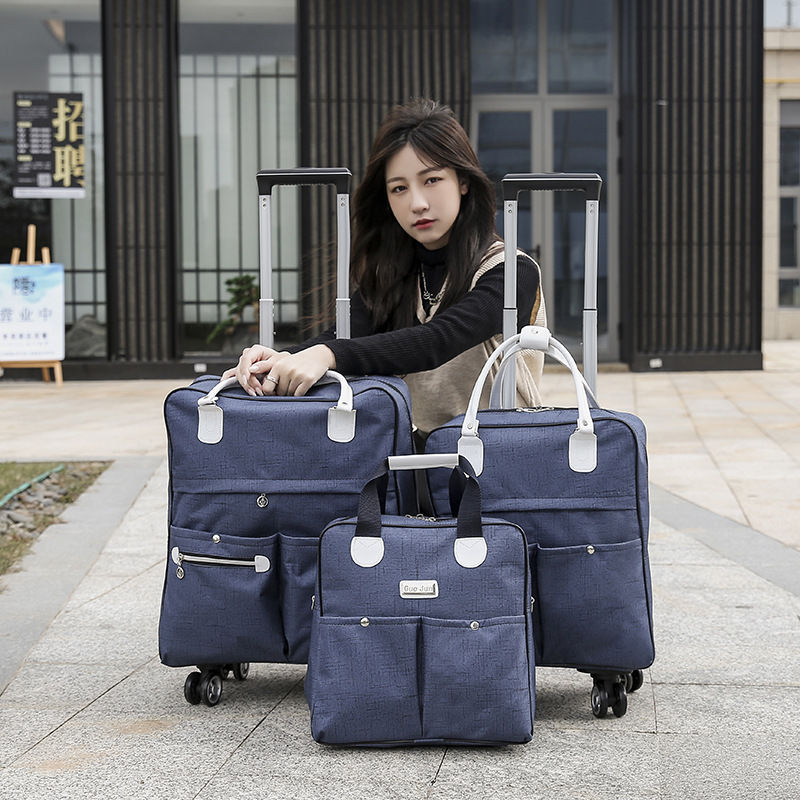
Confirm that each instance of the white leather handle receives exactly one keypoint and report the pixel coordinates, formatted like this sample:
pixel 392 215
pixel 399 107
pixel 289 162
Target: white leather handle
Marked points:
pixel 341 417
pixel 504 374
pixel 582 443
pixel 211 397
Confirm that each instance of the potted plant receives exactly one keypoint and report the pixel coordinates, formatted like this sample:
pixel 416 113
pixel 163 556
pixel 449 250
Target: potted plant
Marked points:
pixel 243 291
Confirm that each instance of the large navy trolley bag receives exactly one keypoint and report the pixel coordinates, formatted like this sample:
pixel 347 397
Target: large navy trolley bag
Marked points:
pixel 422 630
pixel 254 480
pixel 575 480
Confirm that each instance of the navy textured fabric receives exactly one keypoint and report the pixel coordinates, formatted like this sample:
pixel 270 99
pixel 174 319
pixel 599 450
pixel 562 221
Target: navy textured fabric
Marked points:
pixel 268 488
pixel 387 669
pixel 212 607
pixel 587 532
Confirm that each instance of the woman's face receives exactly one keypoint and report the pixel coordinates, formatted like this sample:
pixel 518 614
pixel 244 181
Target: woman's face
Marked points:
pixel 425 200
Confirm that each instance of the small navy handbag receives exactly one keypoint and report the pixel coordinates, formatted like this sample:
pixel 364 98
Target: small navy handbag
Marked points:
pixel 422 629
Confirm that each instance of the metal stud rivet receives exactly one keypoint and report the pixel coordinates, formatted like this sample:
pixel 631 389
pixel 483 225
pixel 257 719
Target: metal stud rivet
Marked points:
pixel 590 549
pixel 215 538
pixel 474 625
pixel 180 573
pixel 364 622
pixel 262 501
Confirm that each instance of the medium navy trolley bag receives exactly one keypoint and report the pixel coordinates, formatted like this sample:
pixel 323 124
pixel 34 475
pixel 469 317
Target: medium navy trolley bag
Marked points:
pixel 576 481
pixel 422 628
pixel 254 480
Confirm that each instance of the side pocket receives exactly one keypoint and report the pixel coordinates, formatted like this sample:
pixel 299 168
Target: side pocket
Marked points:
pixel 477 680
pixel 536 619
pixel 593 607
pixel 363 681
pixel 298 571
pixel 220 601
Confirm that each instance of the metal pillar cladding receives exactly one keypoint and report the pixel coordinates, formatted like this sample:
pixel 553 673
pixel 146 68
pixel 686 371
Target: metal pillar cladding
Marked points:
pixel 140 157
pixel 691 173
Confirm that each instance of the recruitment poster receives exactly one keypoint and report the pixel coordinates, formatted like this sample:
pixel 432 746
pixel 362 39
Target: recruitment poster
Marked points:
pixel 50 149
pixel 31 312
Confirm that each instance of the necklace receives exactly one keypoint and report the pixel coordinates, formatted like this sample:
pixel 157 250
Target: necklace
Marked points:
pixel 426 295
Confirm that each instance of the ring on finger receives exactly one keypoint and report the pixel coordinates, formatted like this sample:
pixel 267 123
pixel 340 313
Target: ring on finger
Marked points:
pixel 270 378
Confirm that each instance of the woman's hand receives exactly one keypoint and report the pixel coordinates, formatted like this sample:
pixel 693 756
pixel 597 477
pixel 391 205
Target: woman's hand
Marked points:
pixel 283 373
pixel 250 379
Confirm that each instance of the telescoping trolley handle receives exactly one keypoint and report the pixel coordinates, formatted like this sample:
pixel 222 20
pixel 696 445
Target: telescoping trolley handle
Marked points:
pixel 589 184
pixel 267 180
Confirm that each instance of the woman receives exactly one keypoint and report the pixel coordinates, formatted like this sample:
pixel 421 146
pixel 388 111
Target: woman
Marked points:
pixel 427 303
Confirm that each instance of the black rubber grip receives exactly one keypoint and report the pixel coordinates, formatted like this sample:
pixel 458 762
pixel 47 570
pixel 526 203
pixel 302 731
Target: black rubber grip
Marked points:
pixel 305 176
pixel 588 182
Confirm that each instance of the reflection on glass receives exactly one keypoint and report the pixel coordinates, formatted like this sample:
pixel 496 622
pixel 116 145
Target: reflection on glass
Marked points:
pixel 504 145
pixel 503 41
pixel 579 145
pixel 238 114
pixel 579 46
pixel 504 142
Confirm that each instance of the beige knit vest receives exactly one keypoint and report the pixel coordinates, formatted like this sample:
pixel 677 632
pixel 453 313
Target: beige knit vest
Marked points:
pixel 438 395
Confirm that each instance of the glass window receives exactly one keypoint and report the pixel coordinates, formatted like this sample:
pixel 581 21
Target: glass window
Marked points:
pixel 789 292
pixel 56 48
pixel 790 157
pixel 503 41
pixel 579 36
pixel 504 145
pixel 789 169
pixel 788 231
pixel 782 13
pixel 790 143
pixel 238 114
pixel 504 142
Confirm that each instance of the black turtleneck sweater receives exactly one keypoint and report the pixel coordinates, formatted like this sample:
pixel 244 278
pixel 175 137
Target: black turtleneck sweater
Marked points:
pixel 475 318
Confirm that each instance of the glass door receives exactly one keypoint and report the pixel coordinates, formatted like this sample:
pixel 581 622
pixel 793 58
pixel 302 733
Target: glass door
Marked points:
pixel 556 113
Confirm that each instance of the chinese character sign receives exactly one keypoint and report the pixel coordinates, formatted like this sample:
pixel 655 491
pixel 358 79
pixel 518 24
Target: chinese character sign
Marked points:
pixel 51 154
pixel 32 312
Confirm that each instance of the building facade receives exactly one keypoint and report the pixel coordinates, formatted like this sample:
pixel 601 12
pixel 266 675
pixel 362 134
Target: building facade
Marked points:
pixel 782 170
pixel 186 99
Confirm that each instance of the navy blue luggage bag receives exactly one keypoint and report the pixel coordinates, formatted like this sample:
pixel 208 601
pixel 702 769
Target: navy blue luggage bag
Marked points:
pixel 575 479
pixel 422 628
pixel 253 481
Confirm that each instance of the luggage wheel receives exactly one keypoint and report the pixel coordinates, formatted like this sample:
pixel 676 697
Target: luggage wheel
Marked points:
pixel 205 686
pixel 610 690
pixel 634 680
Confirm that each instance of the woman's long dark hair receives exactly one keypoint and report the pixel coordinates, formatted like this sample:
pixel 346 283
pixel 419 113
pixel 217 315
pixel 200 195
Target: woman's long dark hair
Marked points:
pixel 383 265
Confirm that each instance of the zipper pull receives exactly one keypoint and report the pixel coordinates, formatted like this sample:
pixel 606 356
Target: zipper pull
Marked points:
pixel 313 601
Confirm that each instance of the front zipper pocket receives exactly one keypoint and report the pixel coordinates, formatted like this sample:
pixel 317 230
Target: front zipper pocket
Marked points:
pixel 220 602
pixel 259 562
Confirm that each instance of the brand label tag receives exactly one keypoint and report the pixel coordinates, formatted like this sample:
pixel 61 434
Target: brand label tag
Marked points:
pixel 413 589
